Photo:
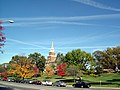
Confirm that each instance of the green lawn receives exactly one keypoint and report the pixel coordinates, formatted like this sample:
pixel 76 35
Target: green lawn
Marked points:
pixel 110 80
pixel 103 78
pixel 106 80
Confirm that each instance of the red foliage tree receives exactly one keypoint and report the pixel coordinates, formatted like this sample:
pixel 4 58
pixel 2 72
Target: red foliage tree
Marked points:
pixel 2 37
pixel 36 70
pixel 4 74
pixel 61 69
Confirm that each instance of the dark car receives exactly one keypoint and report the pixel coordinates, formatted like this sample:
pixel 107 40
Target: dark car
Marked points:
pixel 59 84
pixel 37 82
pixel 81 84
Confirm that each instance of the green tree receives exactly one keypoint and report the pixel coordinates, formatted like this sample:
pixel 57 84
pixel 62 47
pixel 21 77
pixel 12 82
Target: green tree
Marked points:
pixel 60 58
pixel 79 58
pixel 73 71
pixel 38 60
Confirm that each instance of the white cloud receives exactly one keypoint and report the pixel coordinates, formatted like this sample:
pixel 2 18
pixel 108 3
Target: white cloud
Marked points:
pixel 97 5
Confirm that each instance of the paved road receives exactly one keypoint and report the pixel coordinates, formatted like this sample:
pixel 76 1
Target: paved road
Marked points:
pixel 19 86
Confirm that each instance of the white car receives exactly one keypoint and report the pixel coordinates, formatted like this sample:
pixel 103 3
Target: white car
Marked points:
pixel 47 83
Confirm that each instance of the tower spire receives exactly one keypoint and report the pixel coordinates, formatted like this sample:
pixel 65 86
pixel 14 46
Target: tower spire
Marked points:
pixel 52 47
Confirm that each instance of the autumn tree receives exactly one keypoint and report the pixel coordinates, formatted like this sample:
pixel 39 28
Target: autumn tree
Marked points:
pixel 2 37
pixel 99 60
pixel 36 71
pixel 3 71
pixel 49 71
pixel 21 67
pixel 109 58
pixel 61 69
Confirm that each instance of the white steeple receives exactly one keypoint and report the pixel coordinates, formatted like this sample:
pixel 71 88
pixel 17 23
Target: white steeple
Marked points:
pixel 52 47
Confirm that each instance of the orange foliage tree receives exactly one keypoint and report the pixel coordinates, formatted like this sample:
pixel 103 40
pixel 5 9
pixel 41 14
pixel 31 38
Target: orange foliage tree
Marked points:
pixel 49 71
pixel 21 67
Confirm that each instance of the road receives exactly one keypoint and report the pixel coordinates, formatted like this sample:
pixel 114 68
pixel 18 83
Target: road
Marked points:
pixel 19 86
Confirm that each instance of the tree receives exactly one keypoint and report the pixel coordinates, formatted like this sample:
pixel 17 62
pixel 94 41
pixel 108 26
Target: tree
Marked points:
pixel 49 71
pixel 116 58
pixel 60 58
pixel 38 60
pixel 61 69
pixel 73 71
pixel 36 71
pixel 80 58
pixel 3 72
pixel 2 37
pixel 21 67
pixel 2 69
pixel 108 59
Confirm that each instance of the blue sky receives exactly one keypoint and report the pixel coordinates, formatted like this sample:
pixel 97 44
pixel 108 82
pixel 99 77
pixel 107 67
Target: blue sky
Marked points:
pixel 88 25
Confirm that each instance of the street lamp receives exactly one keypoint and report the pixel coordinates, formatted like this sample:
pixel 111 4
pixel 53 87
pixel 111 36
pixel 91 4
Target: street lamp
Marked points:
pixel 10 21
pixel 3 21
pixel 2 37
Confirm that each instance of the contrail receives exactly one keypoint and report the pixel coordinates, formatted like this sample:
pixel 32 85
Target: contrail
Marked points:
pixel 97 5
pixel 70 18
pixel 21 42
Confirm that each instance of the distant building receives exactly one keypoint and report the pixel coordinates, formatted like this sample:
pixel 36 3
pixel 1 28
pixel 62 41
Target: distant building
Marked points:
pixel 51 56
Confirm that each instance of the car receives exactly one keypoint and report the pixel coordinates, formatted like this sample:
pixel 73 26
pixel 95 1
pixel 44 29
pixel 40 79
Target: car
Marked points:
pixel 37 82
pixel 30 81
pixel 81 84
pixel 59 84
pixel 5 79
pixel 47 83
pixel 10 80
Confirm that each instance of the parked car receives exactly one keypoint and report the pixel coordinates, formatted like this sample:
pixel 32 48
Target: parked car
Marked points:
pixel 37 82
pixel 30 81
pixel 47 83
pixel 5 79
pixel 81 84
pixel 59 84
pixel 10 80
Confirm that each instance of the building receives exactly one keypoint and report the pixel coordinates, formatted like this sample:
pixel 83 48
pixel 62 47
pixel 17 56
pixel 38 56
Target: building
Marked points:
pixel 51 56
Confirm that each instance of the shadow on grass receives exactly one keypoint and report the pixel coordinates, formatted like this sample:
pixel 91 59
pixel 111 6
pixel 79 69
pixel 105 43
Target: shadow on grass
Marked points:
pixel 114 80
pixel 60 78
pixel 68 80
